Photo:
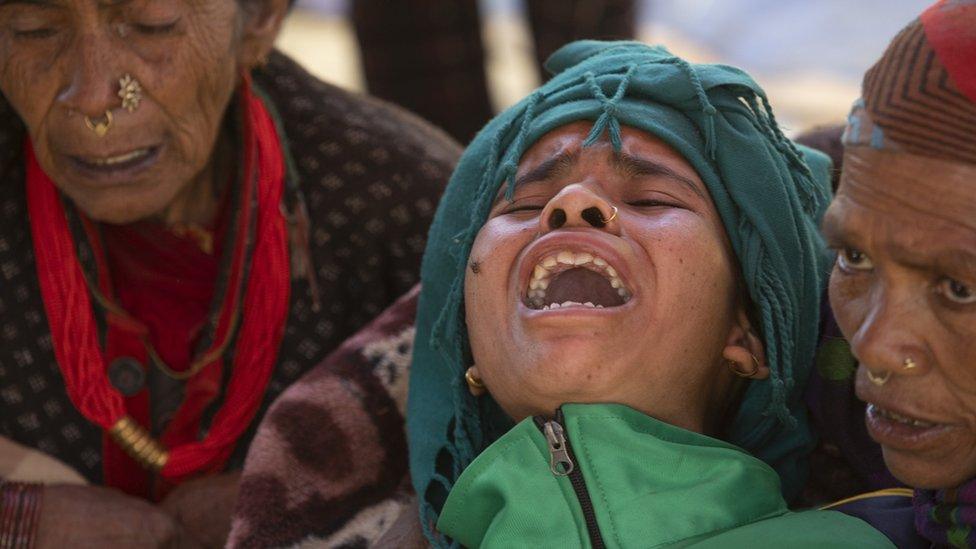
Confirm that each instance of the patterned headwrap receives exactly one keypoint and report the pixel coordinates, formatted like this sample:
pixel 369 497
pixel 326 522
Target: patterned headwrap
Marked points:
pixel 920 99
pixel 769 194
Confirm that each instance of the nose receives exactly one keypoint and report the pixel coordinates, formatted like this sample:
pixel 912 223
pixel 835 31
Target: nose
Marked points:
pixel 888 341
pixel 578 205
pixel 91 82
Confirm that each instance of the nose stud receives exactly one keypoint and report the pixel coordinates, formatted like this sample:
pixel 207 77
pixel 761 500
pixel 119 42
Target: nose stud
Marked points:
pixel 130 92
pixel 908 364
pixel 101 127
pixel 878 379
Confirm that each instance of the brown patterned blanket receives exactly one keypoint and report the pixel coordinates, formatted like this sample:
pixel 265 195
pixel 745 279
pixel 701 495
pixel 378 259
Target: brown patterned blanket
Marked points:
pixel 328 466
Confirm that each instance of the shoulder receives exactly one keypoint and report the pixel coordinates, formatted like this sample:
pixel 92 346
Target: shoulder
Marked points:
pixel 328 462
pixel 890 511
pixel 355 134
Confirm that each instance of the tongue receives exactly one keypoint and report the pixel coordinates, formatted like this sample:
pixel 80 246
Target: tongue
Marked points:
pixel 582 285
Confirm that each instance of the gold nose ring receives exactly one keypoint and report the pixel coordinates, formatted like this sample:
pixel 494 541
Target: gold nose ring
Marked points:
pixel 101 127
pixel 878 380
pixel 612 217
pixel 130 92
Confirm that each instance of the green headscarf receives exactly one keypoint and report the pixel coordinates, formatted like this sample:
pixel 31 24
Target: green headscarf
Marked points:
pixel 770 197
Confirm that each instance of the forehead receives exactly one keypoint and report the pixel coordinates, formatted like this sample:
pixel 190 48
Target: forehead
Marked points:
pixel 568 139
pixel 914 203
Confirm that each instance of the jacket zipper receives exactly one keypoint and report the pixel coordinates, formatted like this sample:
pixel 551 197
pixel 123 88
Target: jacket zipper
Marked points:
pixel 562 463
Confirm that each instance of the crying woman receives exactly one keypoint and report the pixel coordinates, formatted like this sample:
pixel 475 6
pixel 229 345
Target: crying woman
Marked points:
pixel 619 314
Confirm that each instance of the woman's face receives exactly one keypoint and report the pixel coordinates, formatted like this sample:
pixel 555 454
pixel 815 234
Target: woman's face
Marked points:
pixel 562 307
pixel 61 60
pixel 904 287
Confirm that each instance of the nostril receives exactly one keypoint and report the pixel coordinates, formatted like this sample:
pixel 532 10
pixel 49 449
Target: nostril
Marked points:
pixel 557 218
pixel 594 217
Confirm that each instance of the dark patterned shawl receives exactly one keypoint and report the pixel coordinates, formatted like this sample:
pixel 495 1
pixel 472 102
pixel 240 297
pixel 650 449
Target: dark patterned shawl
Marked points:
pixel 370 174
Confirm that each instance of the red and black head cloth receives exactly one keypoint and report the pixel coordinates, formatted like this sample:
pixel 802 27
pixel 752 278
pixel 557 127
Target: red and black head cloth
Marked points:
pixel 920 97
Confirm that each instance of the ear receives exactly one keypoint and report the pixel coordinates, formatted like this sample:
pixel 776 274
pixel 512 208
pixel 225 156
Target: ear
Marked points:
pixel 744 347
pixel 262 22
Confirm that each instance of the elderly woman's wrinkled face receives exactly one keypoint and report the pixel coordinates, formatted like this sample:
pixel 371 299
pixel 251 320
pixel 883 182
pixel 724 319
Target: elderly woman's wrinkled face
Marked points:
pixel 904 293
pixel 61 61
pixel 608 278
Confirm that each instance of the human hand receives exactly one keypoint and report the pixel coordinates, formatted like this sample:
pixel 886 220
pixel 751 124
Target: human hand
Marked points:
pixel 203 507
pixel 93 516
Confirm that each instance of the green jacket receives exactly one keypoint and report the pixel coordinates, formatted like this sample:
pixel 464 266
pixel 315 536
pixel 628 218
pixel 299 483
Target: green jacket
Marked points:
pixel 607 475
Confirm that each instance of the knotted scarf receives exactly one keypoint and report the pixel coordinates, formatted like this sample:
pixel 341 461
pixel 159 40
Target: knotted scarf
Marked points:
pixel 769 195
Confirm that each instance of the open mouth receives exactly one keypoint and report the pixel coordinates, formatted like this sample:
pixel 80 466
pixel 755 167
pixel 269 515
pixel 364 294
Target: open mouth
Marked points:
pixel 575 279
pixel 899 418
pixel 117 163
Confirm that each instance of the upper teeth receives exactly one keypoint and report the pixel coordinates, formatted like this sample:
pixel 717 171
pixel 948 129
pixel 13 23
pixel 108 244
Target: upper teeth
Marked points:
pixel 900 418
pixel 564 260
pixel 119 159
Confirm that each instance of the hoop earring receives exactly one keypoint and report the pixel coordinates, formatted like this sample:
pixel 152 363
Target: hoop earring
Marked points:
pixel 475 385
pixel 734 366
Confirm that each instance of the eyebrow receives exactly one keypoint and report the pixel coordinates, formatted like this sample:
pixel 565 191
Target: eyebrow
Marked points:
pixel 635 166
pixel 58 3
pixel 45 3
pixel 549 169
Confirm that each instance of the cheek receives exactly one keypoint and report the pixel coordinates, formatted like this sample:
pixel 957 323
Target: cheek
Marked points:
pixel 193 84
pixel 27 81
pixel 692 263
pixel 847 300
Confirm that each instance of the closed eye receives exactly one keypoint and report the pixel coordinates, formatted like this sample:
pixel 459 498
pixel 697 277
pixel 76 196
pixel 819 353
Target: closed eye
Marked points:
pixel 155 30
pixel 652 203
pixel 35 34
pixel 523 208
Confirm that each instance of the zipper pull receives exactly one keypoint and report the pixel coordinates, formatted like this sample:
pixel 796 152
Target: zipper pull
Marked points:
pixel 559 463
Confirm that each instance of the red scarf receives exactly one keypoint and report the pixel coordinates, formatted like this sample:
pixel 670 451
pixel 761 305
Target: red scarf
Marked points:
pixel 71 318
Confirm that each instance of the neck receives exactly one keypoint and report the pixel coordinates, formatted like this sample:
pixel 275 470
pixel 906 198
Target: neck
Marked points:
pixel 198 202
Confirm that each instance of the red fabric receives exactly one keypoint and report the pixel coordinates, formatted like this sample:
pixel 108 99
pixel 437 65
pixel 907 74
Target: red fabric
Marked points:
pixel 166 282
pixel 260 325
pixel 950 26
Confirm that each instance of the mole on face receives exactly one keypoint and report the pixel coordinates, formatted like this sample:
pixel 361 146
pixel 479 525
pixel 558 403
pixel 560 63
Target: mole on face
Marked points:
pixel 475 266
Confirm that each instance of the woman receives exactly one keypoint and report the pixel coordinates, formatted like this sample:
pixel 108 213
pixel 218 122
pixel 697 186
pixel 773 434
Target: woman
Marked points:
pixel 904 282
pixel 189 223
pixel 626 267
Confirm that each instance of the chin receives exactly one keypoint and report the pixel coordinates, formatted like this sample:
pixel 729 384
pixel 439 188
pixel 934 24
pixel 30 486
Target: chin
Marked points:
pixel 109 211
pixel 925 473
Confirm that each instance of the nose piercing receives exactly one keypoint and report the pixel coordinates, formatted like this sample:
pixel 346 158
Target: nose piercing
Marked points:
pixel 101 127
pixel 130 92
pixel 612 217
pixel 908 363
pixel 878 380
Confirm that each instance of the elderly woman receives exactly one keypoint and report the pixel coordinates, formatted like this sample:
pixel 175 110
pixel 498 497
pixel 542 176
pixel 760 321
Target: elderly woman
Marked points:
pixel 904 284
pixel 189 223
pixel 619 313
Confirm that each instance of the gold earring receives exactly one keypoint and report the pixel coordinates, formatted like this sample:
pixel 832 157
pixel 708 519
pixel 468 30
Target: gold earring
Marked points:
pixel 475 385
pixel 878 380
pixel 100 128
pixel 734 366
pixel 130 92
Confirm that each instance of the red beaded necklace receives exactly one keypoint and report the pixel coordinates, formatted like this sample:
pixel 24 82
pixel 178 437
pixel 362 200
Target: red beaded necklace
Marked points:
pixel 260 327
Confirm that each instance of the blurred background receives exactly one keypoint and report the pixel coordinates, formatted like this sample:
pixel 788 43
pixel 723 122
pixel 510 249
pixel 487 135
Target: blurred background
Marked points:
pixel 455 62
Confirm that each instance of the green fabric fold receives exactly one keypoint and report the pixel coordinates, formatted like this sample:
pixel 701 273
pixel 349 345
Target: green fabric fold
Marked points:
pixel 651 484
